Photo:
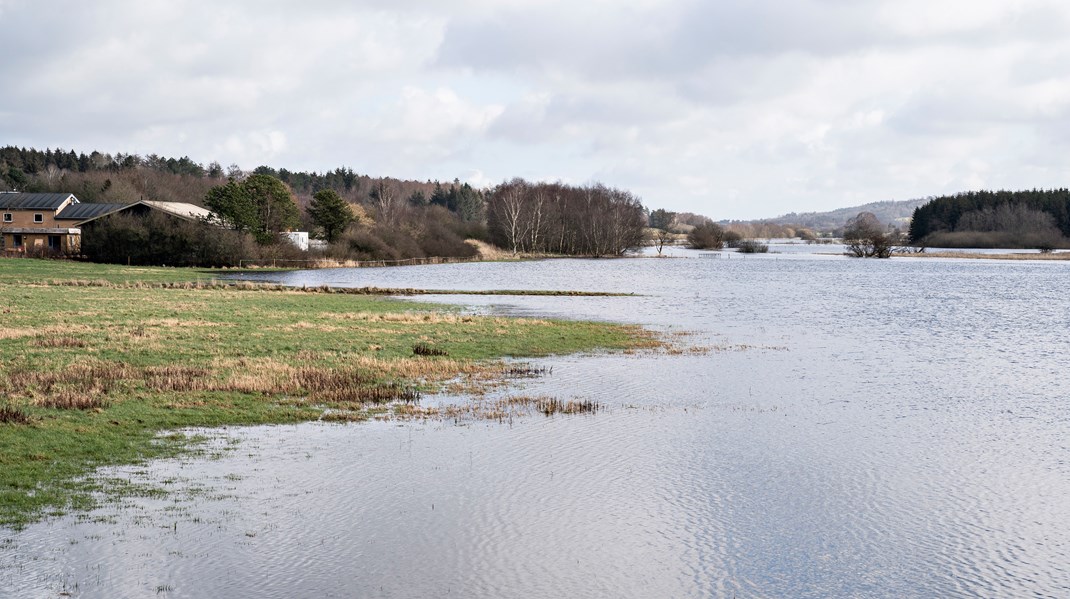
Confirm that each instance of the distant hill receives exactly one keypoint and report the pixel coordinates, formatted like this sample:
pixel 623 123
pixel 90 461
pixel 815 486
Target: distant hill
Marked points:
pixel 887 212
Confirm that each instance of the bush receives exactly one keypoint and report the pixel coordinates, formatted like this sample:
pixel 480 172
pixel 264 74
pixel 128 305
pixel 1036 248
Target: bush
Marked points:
pixel 865 237
pixel 750 246
pixel 707 236
pixel 156 239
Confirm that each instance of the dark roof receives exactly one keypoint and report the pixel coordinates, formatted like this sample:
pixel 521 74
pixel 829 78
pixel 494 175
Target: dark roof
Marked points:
pixel 86 210
pixel 32 201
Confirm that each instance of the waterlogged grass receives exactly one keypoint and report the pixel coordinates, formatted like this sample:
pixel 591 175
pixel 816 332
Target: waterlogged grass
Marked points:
pixel 91 375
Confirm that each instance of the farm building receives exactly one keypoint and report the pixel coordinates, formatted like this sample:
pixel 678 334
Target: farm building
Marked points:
pixel 41 223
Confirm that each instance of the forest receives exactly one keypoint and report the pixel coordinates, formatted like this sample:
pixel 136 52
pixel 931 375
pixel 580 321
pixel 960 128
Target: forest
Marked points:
pixel 995 219
pixel 373 218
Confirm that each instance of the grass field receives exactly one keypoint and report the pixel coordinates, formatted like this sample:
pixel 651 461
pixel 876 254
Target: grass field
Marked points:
pixel 91 375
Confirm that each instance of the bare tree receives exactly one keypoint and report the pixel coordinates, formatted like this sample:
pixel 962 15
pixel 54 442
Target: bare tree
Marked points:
pixel 385 197
pixel 866 237
pixel 506 208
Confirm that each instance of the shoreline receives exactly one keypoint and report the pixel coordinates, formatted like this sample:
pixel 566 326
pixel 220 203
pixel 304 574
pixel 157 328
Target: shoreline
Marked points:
pixel 1065 255
pixel 105 369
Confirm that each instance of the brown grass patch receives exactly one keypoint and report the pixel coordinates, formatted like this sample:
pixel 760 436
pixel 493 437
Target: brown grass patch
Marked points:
pixel 13 415
pixel 177 378
pixel 424 349
pixel 76 399
pixel 175 323
pixel 58 341
pixel 24 380
pixel 17 333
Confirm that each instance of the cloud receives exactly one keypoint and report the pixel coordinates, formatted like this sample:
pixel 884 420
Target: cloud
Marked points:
pixel 732 109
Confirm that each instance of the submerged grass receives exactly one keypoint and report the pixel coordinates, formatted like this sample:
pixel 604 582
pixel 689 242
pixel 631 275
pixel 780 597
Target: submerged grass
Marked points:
pixel 90 374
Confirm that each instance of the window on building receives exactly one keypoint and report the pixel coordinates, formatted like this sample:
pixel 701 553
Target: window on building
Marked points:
pixel 16 241
pixel 7 217
pixel 38 218
pixel 53 242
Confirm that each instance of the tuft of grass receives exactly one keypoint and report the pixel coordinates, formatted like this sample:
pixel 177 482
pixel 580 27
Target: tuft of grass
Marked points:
pixel 423 349
pixel 551 405
pixel 13 415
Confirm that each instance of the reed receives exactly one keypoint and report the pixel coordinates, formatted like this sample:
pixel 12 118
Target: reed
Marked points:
pixel 423 349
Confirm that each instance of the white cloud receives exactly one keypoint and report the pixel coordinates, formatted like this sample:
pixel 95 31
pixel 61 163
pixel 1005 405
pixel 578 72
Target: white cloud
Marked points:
pixel 733 109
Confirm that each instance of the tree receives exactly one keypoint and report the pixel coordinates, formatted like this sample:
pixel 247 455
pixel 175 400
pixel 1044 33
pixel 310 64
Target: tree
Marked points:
pixel 592 220
pixel 274 203
pixel 866 237
pixel 260 204
pixel 331 213
pixel 707 236
pixel 468 204
pixel 662 219
pixel 384 197
pixel 507 213
pixel 660 238
pixel 233 206
pixel 418 199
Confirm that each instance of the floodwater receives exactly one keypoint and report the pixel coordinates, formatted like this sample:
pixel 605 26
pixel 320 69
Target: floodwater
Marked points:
pixel 859 428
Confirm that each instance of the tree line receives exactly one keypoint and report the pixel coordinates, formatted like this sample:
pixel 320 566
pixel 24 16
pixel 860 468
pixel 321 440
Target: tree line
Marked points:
pixel 587 220
pixel 1035 218
pixel 360 216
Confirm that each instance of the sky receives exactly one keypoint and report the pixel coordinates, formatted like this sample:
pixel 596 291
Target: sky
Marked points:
pixel 731 109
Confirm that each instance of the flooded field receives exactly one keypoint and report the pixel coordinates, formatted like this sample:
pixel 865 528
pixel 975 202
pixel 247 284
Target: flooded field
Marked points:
pixel 841 428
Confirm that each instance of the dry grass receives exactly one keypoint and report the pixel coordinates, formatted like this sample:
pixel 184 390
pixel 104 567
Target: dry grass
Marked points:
pixel 65 341
pixel 93 398
pixel 90 384
pixel 176 378
pixel 488 251
pixel 500 409
pixel 13 415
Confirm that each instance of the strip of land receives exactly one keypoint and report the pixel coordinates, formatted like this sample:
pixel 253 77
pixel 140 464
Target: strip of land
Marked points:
pixel 91 374
pixel 1007 256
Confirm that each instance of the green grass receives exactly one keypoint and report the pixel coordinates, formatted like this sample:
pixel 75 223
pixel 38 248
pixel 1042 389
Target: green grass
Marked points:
pixel 141 360
pixel 28 270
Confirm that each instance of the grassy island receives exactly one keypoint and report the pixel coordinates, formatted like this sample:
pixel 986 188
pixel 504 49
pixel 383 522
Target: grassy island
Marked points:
pixel 96 375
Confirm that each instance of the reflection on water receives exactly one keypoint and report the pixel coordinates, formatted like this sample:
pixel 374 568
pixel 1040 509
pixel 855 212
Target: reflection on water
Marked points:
pixel 896 428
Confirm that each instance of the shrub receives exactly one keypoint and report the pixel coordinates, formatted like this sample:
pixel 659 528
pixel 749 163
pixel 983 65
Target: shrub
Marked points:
pixel 750 246
pixel 707 236
pixel 157 239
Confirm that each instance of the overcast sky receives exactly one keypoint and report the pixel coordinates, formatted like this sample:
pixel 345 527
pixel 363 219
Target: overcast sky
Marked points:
pixel 733 109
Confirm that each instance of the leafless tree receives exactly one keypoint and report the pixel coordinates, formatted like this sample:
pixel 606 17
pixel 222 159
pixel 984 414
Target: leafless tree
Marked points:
pixel 591 220
pixel 385 198
pixel 866 237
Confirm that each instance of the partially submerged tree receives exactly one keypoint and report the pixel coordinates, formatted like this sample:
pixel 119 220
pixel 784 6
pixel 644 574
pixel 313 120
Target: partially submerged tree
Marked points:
pixel 660 238
pixel 866 237
pixel 707 236
pixel 331 213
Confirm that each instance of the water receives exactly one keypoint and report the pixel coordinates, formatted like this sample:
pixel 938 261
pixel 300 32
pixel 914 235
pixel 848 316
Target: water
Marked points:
pixel 860 428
